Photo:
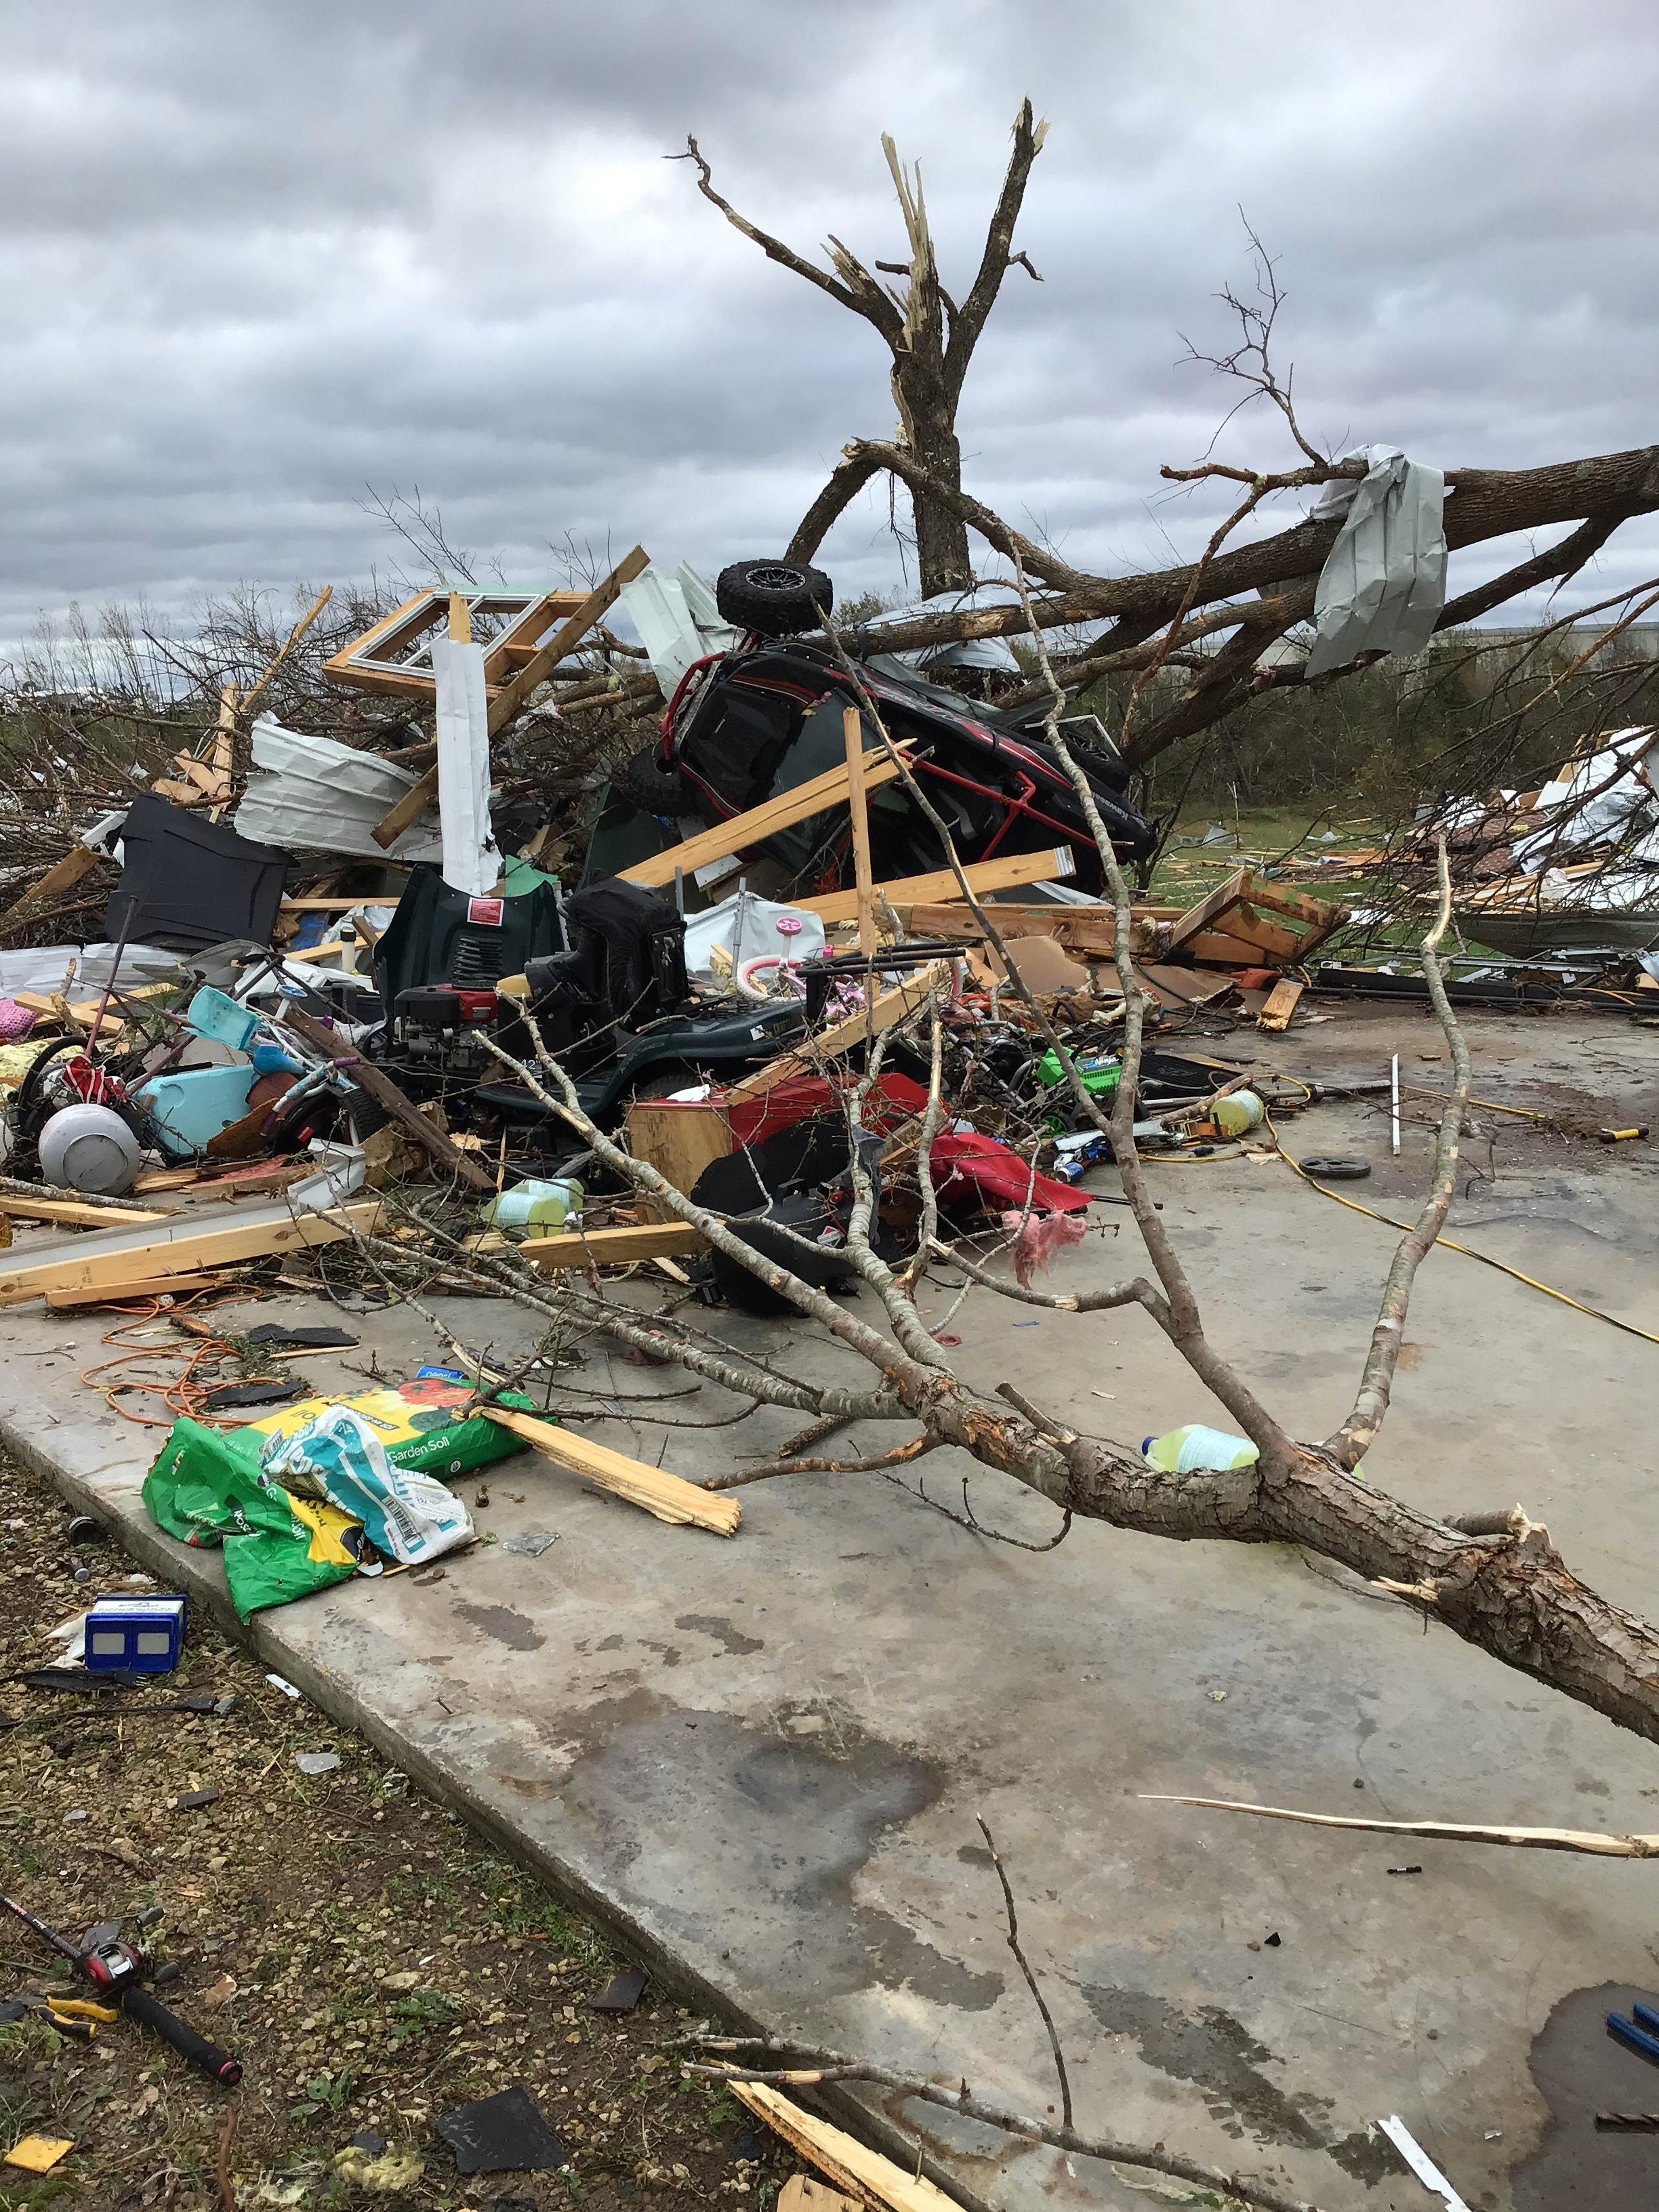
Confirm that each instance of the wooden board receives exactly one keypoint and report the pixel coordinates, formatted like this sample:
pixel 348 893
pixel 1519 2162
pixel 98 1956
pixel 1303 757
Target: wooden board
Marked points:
pixel 800 2193
pixel 310 955
pixel 669 1496
pixel 1178 988
pixel 145 1287
pixel 1091 932
pixel 419 616
pixel 120 1257
pixel 984 877
pixel 679 1140
pixel 598 1247
pixel 74 1215
pixel 408 809
pixel 1209 910
pixel 875 2181
pixel 165 1179
pixel 62 876
pixel 537 670
pixel 830 789
pixel 338 905
pixel 843 1035
pixel 1214 948
pixel 1280 1006
pixel 1237 903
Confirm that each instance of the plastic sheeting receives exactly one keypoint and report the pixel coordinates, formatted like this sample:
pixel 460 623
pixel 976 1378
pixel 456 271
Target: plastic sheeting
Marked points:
pixel 44 967
pixel 472 859
pixel 745 928
pixel 310 794
pixel 1595 800
pixel 1384 586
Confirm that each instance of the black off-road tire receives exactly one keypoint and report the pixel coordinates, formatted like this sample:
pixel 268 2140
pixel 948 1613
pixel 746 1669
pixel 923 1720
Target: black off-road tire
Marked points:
pixel 645 783
pixel 778 599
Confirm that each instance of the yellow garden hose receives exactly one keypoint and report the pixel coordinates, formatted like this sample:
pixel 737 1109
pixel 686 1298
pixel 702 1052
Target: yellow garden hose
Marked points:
pixel 1468 1251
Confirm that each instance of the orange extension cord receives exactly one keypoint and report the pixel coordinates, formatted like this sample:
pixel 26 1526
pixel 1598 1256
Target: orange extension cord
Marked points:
pixel 183 1392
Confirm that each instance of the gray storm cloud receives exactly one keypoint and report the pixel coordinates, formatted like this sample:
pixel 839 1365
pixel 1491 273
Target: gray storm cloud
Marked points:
pixel 256 258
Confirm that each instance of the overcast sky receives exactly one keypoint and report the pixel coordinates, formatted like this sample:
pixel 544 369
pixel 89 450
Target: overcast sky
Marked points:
pixel 257 258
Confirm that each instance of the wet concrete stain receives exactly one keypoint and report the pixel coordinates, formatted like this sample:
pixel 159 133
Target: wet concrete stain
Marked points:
pixel 515 1630
pixel 1580 2070
pixel 1370 2158
pixel 1219 2055
pixel 722 1631
pixel 785 1823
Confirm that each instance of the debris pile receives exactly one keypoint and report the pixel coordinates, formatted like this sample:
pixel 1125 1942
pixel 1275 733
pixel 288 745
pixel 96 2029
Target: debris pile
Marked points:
pixel 1576 861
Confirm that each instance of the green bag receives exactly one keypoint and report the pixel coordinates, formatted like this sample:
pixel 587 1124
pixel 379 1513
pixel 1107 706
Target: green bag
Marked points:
pixel 425 1425
pixel 209 1488
pixel 206 1489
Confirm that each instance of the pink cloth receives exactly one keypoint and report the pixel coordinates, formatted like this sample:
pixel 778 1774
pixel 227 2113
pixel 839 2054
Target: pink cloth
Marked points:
pixel 16 1021
pixel 1036 1238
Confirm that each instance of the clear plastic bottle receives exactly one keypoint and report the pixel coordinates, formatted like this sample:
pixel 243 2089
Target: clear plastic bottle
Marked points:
pixel 1186 1450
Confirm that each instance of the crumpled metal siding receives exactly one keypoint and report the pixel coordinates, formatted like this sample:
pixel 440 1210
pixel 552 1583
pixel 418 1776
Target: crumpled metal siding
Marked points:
pixel 310 794
pixel 1384 586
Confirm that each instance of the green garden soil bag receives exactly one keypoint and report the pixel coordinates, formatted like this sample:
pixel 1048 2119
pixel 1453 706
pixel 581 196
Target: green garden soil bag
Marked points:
pixel 206 1489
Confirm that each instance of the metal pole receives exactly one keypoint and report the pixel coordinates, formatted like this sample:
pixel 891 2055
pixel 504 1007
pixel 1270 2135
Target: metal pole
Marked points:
pixel 1394 1097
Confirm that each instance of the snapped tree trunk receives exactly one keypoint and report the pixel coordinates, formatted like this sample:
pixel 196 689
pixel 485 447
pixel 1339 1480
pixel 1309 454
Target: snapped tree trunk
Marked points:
pixel 941 533
pixel 930 337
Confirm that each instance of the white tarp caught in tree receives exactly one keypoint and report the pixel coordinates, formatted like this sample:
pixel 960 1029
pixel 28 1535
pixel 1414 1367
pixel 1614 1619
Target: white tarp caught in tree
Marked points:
pixel 1384 585
pixel 472 858
pixel 677 621
pixel 310 794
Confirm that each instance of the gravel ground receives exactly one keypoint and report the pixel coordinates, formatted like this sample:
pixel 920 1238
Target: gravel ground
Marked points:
pixel 372 1963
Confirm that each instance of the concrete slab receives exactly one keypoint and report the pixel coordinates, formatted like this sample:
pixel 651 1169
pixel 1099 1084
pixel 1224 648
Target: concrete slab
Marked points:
pixel 763 1758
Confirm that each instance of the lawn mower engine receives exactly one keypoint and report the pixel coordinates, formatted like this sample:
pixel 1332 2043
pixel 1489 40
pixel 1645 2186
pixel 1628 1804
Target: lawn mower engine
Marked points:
pixel 624 969
pixel 435 1030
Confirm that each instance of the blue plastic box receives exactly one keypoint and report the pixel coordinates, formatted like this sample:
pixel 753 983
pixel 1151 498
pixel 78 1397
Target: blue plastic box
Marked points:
pixel 136 1635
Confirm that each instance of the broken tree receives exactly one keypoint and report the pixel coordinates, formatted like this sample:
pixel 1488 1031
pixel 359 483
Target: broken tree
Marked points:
pixel 930 337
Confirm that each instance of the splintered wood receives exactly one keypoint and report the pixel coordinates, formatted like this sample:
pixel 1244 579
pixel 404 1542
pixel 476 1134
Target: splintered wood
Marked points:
pixel 669 1496
pixel 1280 1005
pixel 862 2173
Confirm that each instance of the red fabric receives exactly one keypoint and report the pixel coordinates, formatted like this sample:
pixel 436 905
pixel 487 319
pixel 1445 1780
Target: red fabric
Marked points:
pixel 973 1165
pixel 89 1084
pixel 894 1096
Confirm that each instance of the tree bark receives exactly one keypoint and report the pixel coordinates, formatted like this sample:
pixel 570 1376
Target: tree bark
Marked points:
pixel 942 555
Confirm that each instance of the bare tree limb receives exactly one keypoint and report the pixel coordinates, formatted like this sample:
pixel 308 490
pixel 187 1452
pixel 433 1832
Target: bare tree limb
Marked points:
pixel 1451 1832
pixel 856 289
pixel 1564 560
pixel 1024 1964
pixel 847 480
pixel 807 2066
pixel 1358 1432
pixel 998 257
pixel 1183 1323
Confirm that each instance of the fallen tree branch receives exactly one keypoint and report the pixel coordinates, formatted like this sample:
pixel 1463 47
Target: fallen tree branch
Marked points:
pixel 1358 1432
pixel 809 2066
